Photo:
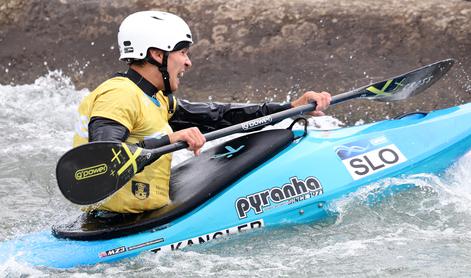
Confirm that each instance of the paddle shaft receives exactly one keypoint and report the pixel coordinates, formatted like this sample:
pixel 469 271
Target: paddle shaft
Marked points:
pixel 257 123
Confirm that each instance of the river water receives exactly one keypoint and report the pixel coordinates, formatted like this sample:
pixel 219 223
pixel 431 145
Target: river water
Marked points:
pixel 420 232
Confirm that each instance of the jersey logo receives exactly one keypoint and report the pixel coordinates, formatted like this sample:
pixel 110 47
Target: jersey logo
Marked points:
pixel 140 190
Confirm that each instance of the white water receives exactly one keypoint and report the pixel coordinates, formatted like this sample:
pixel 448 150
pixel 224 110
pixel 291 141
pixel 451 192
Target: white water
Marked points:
pixel 419 232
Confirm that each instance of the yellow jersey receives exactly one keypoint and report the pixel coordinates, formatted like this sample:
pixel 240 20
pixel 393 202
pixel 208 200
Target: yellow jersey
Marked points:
pixel 121 100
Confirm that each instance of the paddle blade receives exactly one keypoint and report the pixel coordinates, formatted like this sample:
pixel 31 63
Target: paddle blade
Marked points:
pixel 408 84
pixel 91 172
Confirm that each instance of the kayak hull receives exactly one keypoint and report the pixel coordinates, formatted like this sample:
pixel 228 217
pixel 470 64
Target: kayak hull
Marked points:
pixel 293 187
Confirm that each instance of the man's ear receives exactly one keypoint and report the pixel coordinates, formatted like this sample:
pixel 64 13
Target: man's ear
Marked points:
pixel 157 54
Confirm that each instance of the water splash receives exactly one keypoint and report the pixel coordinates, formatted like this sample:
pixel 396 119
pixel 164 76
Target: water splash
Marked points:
pixel 32 115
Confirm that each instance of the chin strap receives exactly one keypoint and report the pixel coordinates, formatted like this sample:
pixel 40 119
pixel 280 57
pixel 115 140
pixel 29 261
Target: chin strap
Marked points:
pixel 166 77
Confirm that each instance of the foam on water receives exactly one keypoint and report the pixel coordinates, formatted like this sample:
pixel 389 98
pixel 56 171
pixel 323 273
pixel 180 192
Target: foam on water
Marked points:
pixel 35 123
pixel 413 232
pixel 40 113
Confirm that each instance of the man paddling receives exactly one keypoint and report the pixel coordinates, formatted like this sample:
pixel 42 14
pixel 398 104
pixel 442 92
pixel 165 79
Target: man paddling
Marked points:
pixel 138 106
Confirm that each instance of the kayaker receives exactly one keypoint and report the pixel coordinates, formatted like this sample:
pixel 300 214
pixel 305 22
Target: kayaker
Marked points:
pixel 138 106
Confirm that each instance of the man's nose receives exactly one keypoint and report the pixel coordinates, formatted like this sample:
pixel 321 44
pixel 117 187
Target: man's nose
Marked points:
pixel 188 63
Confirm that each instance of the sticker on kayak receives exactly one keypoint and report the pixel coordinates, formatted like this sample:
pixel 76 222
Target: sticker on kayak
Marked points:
pixel 295 191
pixel 207 237
pixel 366 157
pixel 112 252
pixel 123 249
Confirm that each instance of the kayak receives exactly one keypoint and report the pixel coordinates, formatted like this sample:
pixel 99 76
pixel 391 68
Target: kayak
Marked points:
pixel 265 179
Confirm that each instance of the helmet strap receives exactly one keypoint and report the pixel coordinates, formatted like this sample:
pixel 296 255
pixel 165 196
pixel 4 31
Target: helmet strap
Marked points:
pixel 165 76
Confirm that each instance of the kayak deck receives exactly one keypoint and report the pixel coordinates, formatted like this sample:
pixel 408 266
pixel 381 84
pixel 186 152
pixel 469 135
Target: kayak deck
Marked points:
pixel 192 183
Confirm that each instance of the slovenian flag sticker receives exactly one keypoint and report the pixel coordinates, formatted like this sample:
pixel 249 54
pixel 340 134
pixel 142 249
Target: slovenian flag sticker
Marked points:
pixel 368 156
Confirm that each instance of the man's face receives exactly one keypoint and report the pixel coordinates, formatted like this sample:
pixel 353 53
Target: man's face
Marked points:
pixel 178 63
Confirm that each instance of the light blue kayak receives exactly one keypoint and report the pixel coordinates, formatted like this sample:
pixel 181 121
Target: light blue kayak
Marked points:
pixel 293 183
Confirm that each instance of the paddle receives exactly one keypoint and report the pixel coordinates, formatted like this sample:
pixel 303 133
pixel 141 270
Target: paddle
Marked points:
pixel 89 173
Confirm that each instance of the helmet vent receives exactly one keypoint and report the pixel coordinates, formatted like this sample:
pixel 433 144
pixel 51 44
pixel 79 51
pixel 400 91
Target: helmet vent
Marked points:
pixel 154 17
pixel 188 36
pixel 127 43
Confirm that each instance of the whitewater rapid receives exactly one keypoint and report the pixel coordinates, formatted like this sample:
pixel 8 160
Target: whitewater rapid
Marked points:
pixel 423 231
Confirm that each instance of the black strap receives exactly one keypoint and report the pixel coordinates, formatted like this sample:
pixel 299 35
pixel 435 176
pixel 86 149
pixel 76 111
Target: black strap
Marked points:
pixel 166 78
pixel 300 119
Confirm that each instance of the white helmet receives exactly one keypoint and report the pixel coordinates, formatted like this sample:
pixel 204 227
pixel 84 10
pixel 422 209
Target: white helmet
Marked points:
pixel 142 30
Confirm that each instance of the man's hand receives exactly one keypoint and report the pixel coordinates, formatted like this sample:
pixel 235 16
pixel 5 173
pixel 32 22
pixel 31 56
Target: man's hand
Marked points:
pixel 322 99
pixel 192 136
